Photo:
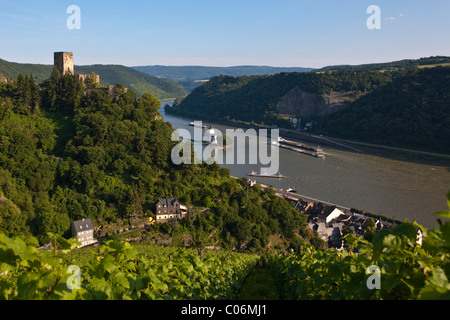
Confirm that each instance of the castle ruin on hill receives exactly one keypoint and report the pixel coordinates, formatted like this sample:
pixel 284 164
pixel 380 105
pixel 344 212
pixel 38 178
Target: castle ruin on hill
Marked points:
pixel 64 64
pixel 63 61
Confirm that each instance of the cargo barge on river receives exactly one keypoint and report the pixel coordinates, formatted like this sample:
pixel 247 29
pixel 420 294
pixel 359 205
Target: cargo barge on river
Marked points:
pixel 301 148
pixel 265 175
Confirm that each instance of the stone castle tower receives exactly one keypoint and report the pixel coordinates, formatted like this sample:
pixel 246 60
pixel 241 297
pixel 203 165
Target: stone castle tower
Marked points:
pixel 64 62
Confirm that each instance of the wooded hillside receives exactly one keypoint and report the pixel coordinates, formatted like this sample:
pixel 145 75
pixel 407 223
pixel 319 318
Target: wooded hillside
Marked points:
pixel 109 75
pixel 405 108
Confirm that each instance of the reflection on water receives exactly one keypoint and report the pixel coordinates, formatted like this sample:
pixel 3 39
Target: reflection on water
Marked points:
pixel 404 190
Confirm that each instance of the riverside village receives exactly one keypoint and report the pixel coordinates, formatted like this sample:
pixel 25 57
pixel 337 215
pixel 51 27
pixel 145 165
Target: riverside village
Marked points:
pixel 331 222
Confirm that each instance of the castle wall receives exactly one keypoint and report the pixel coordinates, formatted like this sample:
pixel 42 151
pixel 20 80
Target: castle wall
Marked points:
pixel 83 78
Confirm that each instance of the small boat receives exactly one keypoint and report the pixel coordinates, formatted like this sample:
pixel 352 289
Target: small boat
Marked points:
pixel 265 175
pixel 193 124
pixel 274 143
pixel 320 155
pixel 291 190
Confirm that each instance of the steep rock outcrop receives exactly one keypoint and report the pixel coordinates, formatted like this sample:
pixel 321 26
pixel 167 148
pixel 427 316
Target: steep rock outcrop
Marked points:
pixel 302 103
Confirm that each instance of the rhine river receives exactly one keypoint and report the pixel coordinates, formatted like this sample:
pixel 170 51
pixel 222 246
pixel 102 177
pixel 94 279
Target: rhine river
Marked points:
pixel 393 188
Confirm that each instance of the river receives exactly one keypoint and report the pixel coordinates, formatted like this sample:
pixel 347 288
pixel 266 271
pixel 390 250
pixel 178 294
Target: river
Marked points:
pixel 393 188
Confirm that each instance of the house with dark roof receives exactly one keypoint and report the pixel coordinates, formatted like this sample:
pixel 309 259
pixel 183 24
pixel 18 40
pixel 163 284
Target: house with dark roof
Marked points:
pixel 83 230
pixel 169 209
pixel 329 214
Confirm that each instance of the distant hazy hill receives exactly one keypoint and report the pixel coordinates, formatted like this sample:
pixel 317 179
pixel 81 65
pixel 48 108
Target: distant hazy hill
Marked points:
pixel 134 79
pixel 11 70
pixel 395 65
pixel 191 76
pixel 262 98
pixel 109 75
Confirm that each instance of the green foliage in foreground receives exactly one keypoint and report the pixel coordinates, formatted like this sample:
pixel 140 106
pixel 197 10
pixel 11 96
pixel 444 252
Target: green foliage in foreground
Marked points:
pixel 119 271
pixel 406 270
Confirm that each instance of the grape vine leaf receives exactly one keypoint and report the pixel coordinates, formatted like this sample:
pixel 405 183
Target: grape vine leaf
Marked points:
pixel 445 213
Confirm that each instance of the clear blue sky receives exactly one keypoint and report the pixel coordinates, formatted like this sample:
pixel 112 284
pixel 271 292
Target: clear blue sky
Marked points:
pixel 224 32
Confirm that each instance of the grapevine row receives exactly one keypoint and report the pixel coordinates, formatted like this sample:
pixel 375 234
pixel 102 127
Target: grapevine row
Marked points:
pixel 118 271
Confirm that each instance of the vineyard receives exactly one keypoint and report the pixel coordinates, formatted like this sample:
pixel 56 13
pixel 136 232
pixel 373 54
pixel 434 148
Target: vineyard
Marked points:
pixel 118 271
pixel 394 266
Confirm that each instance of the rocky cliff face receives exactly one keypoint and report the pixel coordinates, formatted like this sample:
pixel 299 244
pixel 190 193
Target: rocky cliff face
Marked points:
pixel 301 103
pixel 3 79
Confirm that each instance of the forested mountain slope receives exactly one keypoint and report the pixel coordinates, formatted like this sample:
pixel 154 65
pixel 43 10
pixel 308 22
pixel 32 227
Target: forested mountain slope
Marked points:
pixel 66 155
pixel 109 75
pixel 140 82
pixel 257 98
pixel 405 108
pixel 192 77
pixel 395 65
pixel 413 111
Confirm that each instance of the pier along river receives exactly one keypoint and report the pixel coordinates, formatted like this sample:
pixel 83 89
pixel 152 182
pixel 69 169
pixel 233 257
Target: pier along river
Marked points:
pixel 393 188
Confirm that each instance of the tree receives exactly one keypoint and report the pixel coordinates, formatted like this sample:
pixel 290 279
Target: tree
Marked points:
pixel 62 92
pixel 12 220
pixel 52 89
pixel 149 103
pixel 72 91
pixel 128 98
pixel 91 81
pixel 370 231
pixel 34 93
pixel 50 221
pixel 243 231
pixel 5 108
pixel 199 238
pixel 27 94
pixel 135 208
